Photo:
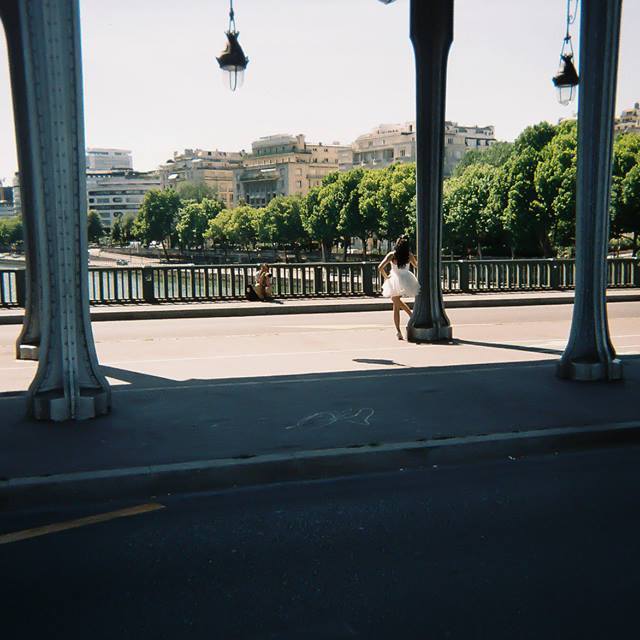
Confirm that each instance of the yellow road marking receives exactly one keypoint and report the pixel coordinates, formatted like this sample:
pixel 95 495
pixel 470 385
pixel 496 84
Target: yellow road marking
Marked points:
pixel 80 522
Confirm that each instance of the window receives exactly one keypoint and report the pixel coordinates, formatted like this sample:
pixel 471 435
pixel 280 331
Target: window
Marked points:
pixel 117 199
pixel 450 140
pixel 299 184
pixel 103 200
pixel 91 200
pixel 402 153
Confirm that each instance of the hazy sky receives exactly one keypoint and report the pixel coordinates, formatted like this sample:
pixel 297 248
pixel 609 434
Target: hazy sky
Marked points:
pixel 331 69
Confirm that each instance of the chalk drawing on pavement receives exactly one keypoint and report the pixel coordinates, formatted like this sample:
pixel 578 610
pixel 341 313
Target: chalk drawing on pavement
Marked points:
pixel 326 418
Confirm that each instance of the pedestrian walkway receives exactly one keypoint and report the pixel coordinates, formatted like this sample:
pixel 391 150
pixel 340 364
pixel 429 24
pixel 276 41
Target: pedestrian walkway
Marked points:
pixel 235 308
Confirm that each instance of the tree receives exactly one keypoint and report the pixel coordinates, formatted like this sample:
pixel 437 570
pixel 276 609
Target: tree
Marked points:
pixel 193 221
pixel 631 204
pixel 469 220
pixel 320 214
pixel 234 226
pixel 624 211
pixel 95 230
pixel 217 229
pixel 197 191
pixel 157 216
pixel 495 155
pixel 116 231
pixel 11 230
pixel 280 222
pixel 555 183
pixel 129 229
pixel 352 221
pixel 399 201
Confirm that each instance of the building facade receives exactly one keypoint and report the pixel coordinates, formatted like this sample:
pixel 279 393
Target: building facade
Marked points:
pixel 105 159
pixel 6 201
pixel 284 165
pixel 389 143
pixel 629 120
pixel 114 194
pixel 200 166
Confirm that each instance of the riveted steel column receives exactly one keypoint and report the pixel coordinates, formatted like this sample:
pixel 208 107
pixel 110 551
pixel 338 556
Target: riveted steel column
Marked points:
pixel 28 342
pixel 589 354
pixel 431 35
pixel 44 56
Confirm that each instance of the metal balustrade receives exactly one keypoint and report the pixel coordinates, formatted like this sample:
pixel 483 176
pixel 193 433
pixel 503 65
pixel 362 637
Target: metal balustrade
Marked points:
pixel 193 283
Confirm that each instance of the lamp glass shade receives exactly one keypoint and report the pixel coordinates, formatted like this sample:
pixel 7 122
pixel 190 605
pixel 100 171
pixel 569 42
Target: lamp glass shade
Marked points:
pixel 233 62
pixel 566 80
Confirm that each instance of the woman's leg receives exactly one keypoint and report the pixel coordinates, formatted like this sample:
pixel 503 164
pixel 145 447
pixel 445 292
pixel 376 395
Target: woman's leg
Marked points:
pixel 404 305
pixel 396 316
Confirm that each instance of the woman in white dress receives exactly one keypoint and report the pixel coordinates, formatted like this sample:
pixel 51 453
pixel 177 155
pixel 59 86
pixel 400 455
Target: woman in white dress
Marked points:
pixel 399 281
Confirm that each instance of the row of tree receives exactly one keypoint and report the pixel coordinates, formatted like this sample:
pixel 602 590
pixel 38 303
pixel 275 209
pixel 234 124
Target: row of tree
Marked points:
pixel 515 199
pixel 520 198
pixel 354 204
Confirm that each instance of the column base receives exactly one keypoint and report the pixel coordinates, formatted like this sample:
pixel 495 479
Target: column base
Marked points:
pixel 429 334
pixel 28 352
pixel 54 407
pixel 589 371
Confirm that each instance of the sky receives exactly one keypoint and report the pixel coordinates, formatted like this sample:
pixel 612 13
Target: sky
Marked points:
pixel 331 69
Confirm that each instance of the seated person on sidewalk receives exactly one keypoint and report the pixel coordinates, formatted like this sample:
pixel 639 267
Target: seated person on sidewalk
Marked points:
pixel 261 290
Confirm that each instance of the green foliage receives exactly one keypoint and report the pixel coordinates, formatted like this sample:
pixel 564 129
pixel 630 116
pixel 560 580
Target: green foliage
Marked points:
pixel 555 183
pixel 157 216
pixel 116 231
pixel 495 155
pixel 193 221
pixel 625 190
pixel 95 230
pixel 11 230
pixel 237 226
pixel 197 191
pixel 320 213
pixel 280 222
pixel 399 201
pixel 129 228
pixel 469 220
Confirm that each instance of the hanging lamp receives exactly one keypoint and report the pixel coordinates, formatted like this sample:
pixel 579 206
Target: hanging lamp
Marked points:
pixel 566 80
pixel 232 60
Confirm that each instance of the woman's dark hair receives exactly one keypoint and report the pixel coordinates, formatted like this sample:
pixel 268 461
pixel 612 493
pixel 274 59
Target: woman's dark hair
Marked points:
pixel 401 251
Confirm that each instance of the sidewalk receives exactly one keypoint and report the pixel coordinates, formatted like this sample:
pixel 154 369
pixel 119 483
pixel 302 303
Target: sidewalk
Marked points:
pixel 234 308
pixel 167 436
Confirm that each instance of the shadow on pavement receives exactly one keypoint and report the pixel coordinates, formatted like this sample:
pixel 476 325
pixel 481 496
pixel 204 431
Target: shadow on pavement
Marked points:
pixel 513 347
pixel 156 420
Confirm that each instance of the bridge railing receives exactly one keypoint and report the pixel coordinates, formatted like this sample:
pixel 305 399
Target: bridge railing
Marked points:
pixel 193 283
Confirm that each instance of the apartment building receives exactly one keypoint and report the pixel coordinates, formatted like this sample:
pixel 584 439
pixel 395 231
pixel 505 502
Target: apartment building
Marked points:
pixel 105 159
pixel 201 166
pixel 284 165
pixel 389 143
pixel 115 193
pixel 629 120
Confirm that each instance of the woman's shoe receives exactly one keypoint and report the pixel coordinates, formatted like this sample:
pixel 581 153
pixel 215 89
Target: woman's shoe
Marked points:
pixel 399 335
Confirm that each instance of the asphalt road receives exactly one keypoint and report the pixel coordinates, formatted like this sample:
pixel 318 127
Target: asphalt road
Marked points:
pixel 220 348
pixel 540 548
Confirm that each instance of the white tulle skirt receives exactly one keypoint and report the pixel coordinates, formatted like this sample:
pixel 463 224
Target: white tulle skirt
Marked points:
pixel 401 282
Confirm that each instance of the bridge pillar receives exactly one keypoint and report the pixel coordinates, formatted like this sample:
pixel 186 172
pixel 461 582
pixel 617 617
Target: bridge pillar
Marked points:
pixel 589 354
pixel 431 35
pixel 44 57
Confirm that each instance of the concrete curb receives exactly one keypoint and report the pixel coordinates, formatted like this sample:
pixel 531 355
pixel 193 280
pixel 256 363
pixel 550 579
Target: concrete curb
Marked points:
pixel 207 475
pixel 451 302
